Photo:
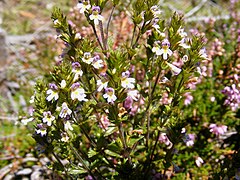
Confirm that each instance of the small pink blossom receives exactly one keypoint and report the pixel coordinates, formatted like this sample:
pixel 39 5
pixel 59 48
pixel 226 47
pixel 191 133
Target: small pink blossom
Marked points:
pixel 164 139
pixel 218 130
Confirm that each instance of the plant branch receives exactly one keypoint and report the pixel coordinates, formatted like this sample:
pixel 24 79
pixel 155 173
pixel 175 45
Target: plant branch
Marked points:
pixel 124 142
pixel 98 40
pixel 60 162
pixel 102 35
pixel 108 23
pixel 195 9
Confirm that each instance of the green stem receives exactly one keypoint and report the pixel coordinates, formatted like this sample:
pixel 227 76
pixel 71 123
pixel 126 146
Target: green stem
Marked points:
pixel 108 23
pixel 124 142
pixel 98 40
pixel 57 158
pixel 84 132
pixel 133 35
pixel 102 35
pixel 81 160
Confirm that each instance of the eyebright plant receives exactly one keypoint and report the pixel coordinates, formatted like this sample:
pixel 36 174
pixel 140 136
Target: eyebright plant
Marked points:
pixel 113 111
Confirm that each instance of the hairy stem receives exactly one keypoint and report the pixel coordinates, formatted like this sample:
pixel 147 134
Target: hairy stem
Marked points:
pixel 98 40
pixel 108 24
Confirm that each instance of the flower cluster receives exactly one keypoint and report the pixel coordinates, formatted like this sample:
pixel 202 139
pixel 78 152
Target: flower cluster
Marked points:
pixel 84 7
pixel 233 96
pixel 218 130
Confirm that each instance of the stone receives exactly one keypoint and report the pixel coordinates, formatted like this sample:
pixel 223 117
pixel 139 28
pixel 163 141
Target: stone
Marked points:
pixel 24 172
pixel 3 50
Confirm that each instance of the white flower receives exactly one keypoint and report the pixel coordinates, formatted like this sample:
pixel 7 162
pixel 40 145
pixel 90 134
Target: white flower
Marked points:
pixel 83 7
pixel 55 22
pixel 65 110
pixel 128 83
pixel 199 161
pixel 42 130
pixel 27 120
pixel 65 137
pixel 175 70
pixel 165 51
pixel 97 62
pixel 78 92
pixel 87 58
pixel 68 126
pixel 52 92
pixel 203 53
pixel 182 33
pixel 32 99
pixel 48 118
pixel 134 94
pixel 109 95
pixel 101 85
pixel 95 16
pixel 63 84
pixel 155 10
pixel 52 95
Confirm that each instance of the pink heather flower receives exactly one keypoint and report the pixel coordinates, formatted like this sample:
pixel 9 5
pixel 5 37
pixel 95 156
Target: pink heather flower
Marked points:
pixel 65 110
pixel 188 98
pixel 165 100
pixel 48 118
pixel 164 139
pixel 87 58
pixel 77 92
pixel 134 110
pixel 165 51
pixel 127 82
pixel 52 92
pixel 84 6
pixel 175 70
pixel 127 104
pixel 134 94
pixel 199 161
pixel 42 129
pixel 104 122
pixel 233 96
pixel 95 16
pixel 218 130
pixel 109 95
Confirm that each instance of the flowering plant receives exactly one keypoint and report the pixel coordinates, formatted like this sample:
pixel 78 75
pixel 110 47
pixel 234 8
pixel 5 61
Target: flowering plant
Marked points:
pixel 112 109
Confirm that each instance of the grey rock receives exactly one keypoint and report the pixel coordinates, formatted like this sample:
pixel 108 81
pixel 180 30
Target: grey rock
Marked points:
pixel 24 172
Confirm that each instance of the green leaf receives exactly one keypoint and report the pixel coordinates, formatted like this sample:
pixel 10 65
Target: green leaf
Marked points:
pixel 110 131
pixel 111 153
pixel 134 140
pixel 92 153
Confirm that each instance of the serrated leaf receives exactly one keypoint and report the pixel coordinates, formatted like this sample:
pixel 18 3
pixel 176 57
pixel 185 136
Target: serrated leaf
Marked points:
pixel 92 153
